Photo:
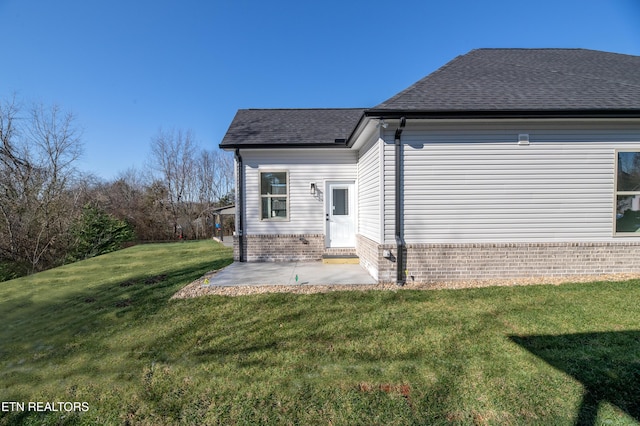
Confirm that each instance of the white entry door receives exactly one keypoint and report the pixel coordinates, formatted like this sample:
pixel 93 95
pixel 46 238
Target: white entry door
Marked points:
pixel 341 223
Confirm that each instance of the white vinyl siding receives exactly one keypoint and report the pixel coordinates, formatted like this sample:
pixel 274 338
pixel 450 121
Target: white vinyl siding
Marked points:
pixel 627 193
pixel 370 191
pixel 479 185
pixel 304 165
pixel 389 171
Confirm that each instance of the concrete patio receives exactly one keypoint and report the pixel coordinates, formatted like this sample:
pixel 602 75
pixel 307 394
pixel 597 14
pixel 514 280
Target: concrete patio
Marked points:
pixel 290 273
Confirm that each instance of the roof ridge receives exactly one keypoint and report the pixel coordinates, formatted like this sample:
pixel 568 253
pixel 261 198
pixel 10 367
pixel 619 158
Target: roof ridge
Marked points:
pixel 584 49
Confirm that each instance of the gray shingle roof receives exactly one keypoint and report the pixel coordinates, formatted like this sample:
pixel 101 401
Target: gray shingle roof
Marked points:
pixel 291 127
pixel 502 82
pixel 525 80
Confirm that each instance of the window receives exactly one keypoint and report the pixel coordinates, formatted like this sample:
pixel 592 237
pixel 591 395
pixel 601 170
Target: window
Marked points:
pixel 340 202
pixel 628 193
pixel 274 196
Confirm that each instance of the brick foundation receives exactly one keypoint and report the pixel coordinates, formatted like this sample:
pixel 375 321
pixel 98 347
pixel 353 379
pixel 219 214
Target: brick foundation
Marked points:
pixel 452 262
pixel 372 259
pixel 280 248
pixel 430 263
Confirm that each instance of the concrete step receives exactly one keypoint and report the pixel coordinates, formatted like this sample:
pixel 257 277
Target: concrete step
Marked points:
pixel 340 250
pixel 341 259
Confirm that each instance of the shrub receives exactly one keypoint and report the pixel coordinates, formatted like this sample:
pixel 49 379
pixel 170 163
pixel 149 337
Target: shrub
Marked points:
pixel 96 233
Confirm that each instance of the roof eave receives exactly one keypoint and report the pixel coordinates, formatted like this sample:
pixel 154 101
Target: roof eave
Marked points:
pixel 357 130
pixel 341 144
pixel 497 114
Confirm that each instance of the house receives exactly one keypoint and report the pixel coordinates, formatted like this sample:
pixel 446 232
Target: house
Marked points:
pixel 502 163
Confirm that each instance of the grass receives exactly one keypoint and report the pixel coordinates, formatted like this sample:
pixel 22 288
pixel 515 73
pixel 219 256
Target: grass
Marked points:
pixel 104 332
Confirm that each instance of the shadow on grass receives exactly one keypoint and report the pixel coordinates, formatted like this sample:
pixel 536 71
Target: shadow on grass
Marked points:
pixel 607 364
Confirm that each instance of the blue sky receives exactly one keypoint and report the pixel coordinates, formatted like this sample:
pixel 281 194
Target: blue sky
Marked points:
pixel 128 68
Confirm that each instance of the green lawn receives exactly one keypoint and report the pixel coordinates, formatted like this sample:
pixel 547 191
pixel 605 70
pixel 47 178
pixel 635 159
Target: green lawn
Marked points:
pixel 104 332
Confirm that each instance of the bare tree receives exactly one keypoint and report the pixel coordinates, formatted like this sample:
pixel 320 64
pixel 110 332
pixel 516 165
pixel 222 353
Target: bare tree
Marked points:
pixel 13 171
pixel 37 178
pixel 213 183
pixel 135 200
pixel 224 180
pixel 195 180
pixel 173 154
pixel 55 146
pixel 214 175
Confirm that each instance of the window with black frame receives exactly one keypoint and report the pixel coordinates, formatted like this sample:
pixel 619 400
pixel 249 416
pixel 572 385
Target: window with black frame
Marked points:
pixel 628 193
pixel 274 195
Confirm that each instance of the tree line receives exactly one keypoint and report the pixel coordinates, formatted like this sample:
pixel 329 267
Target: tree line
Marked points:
pixel 52 213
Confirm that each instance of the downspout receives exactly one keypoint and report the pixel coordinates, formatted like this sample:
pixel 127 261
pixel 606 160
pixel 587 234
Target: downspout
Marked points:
pixel 399 212
pixel 240 206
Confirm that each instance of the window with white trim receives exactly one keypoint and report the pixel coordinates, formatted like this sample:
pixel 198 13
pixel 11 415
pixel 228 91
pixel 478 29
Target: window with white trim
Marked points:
pixel 274 195
pixel 628 193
